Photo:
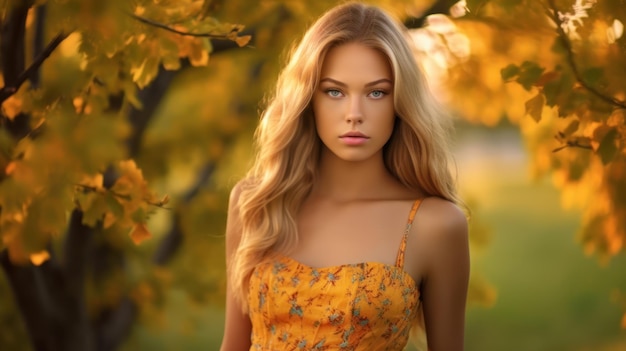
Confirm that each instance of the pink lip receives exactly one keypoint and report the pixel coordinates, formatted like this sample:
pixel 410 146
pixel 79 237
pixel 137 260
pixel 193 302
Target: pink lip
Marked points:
pixel 354 134
pixel 354 138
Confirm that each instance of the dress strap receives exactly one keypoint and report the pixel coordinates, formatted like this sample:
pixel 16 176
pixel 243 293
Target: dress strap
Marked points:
pixel 400 257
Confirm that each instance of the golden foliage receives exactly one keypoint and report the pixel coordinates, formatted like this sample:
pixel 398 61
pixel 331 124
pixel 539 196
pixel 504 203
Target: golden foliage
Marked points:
pixel 139 233
pixel 562 83
pixel 79 132
pixel 39 258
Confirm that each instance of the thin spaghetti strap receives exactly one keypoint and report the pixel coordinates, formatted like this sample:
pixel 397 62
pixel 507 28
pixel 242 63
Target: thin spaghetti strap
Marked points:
pixel 400 257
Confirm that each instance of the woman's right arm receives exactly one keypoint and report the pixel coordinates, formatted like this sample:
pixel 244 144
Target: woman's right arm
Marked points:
pixel 237 327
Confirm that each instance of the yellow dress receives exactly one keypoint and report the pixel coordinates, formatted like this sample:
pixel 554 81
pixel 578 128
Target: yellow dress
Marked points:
pixel 365 306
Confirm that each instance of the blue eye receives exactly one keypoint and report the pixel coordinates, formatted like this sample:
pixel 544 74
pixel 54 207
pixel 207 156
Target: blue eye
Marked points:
pixel 377 94
pixel 333 93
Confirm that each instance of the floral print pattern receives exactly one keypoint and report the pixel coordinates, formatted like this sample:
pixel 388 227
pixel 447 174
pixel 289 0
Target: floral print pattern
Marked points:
pixel 352 307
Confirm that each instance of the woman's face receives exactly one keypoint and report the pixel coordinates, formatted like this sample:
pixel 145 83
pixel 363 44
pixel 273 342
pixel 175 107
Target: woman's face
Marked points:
pixel 353 105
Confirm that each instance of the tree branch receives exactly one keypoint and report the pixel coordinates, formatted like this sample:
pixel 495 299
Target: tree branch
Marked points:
pixel 174 238
pixel 562 36
pixel 173 30
pixel 77 248
pixel 572 143
pixel 440 6
pixel 113 326
pixel 12 87
pixel 38 41
pixel 12 42
pixel 150 97
pixel 39 310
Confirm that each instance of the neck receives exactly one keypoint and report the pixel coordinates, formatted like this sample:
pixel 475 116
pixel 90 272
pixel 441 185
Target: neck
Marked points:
pixel 342 180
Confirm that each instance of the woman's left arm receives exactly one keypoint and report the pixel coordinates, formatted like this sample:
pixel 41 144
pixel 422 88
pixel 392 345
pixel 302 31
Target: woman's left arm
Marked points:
pixel 446 277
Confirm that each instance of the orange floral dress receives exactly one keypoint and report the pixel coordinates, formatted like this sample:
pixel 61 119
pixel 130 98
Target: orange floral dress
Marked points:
pixel 366 306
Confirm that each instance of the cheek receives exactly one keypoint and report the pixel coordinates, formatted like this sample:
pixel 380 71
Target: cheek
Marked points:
pixel 384 112
pixel 323 110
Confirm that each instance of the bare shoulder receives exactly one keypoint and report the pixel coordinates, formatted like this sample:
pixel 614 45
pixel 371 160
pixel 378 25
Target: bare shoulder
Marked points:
pixel 442 217
pixel 441 226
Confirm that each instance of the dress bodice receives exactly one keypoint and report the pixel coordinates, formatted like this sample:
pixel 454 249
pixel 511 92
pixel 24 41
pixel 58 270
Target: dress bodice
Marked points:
pixel 365 306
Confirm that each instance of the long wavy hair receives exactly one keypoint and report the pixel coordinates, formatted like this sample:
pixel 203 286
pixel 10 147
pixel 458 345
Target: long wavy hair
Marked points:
pixel 288 147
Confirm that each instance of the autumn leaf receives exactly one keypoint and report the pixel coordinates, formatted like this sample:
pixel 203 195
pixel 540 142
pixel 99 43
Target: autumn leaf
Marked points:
pixel 139 233
pixel 39 258
pixel 529 74
pixel 509 72
pixel 243 40
pixel 608 148
pixel 12 106
pixel 534 107
pixel 10 168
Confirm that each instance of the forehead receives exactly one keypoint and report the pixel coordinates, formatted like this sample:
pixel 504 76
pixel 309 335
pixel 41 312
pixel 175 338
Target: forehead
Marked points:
pixel 355 62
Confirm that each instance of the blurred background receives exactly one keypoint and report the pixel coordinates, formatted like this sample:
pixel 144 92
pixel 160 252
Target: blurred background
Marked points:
pixel 125 124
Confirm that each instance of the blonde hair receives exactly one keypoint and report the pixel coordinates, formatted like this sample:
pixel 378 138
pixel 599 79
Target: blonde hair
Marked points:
pixel 288 146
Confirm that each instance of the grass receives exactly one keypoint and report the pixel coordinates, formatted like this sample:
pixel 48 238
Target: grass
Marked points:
pixel 550 295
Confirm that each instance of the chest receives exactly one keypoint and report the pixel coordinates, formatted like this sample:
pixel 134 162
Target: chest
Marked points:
pixel 349 234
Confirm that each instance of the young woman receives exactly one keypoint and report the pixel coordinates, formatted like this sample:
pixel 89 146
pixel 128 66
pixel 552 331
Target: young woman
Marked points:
pixel 345 234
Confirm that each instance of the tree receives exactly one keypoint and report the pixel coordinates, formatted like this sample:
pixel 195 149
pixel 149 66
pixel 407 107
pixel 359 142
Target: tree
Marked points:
pixel 555 69
pixel 68 143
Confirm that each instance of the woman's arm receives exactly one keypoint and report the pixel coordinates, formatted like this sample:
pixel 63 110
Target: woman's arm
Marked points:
pixel 446 277
pixel 237 326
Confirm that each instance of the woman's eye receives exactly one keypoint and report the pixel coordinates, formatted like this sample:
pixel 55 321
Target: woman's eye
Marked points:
pixel 377 94
pixel 333 93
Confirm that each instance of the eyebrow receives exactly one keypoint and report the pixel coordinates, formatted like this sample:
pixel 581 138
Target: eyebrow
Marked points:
pixel 383 80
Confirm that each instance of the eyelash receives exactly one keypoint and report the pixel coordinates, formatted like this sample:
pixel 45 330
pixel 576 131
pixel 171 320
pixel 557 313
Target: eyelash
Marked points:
pixel 329 91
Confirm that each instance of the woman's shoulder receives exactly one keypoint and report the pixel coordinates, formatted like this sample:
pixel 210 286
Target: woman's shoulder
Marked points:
pixel 440 221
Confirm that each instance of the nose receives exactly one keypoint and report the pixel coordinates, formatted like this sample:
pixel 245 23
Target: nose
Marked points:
pixel 355 111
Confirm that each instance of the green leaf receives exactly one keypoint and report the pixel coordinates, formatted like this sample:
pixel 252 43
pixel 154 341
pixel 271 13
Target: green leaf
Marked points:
pixel 6 144
pixel 509 5
pixel 95 213
pixel 571 101
pixel 608 146
pixel 593 75
pixel 529 75
pixel 534 107
pixel 509 72
pixel 139 216
pixel 555 90
pixel 14 194
pixel 571 128
pixel 114 205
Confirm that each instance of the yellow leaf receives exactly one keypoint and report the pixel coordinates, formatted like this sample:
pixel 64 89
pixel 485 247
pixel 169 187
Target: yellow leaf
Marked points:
pixel 139 10
pixel 12 107
pixel 10 168
pixel 39 258
pixel 109 220
pixel 243 41
pixel 93 181
pixel 199 58
pixel 534 107
pixel 139 233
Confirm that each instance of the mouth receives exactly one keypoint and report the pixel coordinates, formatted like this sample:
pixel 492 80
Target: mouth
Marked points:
pixel 354 138
pixel 354 135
